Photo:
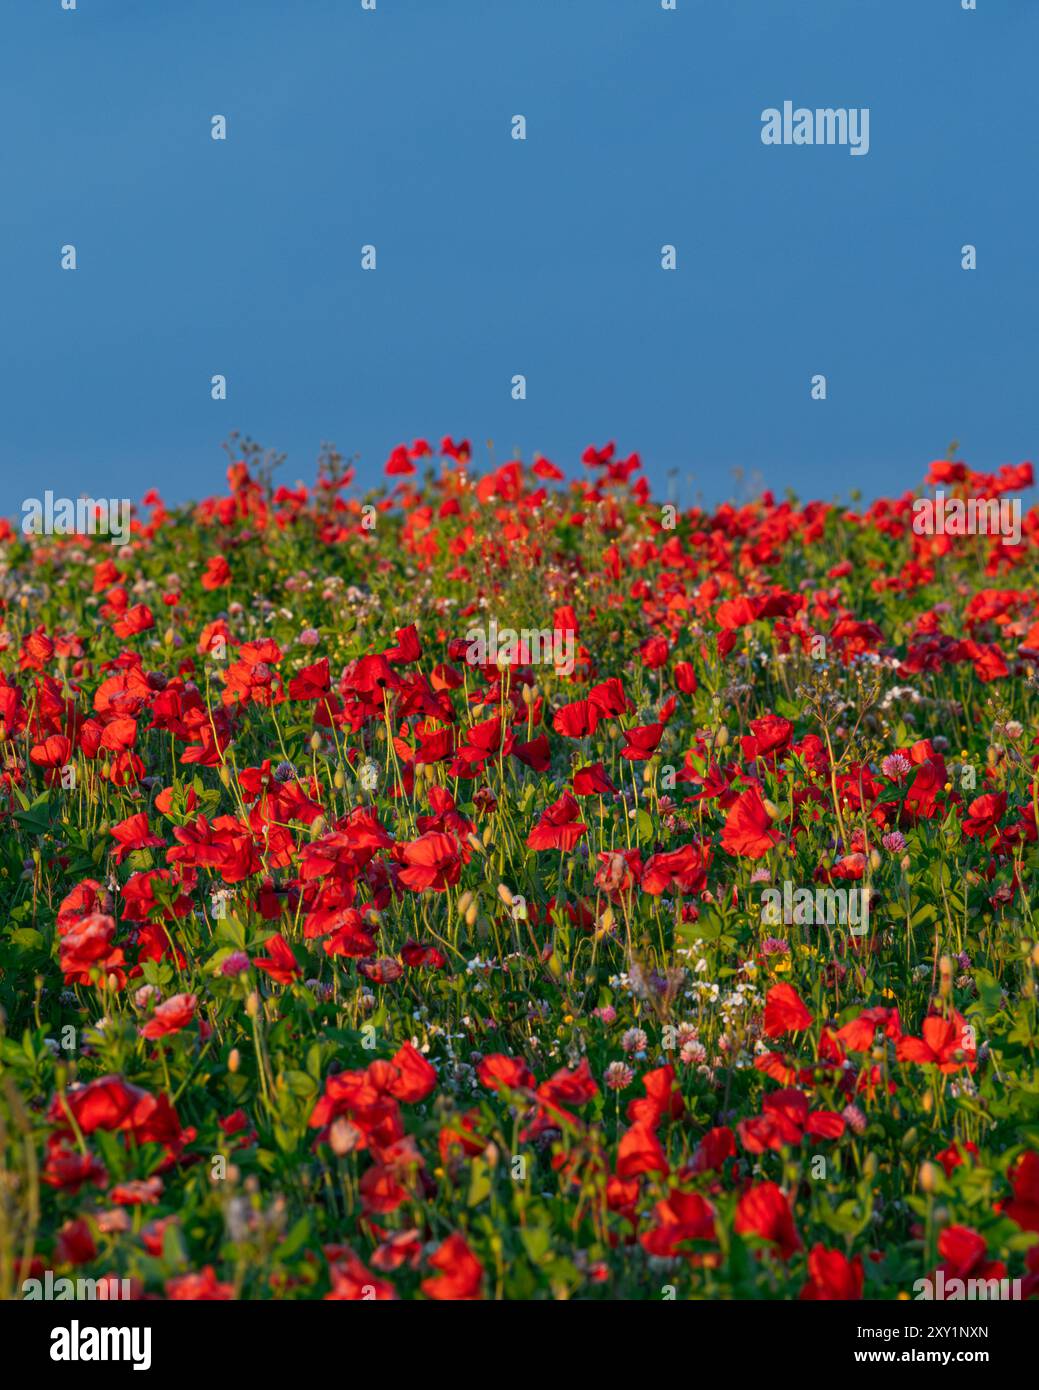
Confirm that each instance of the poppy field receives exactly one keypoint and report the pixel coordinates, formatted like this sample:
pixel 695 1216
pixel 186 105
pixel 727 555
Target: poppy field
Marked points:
pixel 509 885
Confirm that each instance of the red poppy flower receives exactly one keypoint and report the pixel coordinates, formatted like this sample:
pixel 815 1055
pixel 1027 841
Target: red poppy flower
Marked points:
pixel 593 781
pixel 832 1276
pixel 432 861
pixel 683 870
pixel 459 1273
pixel 654 652
pixel 685 678
pixel 497 1070
pixel 764 1211
pixel 352 1280
pixel 133 834
pixel 984 814
pixel 54 752
pixel 785 1012
pixel 558 827
pixel 963 1251
pixel 399 463
pixel 536 754
pixel 713 1149
pixel 640 1151
pixel 311 682
pixel 170 1017
pixel 681 1217
pixel 947 1043
pixel 543 468
pixel 217 573
pixel 87 955
pixel 203 1287
pixel 576 720
pixel 1024 1208
pixel 640 742
pixel 769 736
pixel 135 620
pixel 748 827
pixel 414 955
pixel 279 963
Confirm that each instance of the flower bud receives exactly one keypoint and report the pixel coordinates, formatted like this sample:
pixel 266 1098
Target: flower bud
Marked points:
pixel 929 1176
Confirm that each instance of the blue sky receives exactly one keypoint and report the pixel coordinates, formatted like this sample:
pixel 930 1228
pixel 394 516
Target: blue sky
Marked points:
pixel 497 256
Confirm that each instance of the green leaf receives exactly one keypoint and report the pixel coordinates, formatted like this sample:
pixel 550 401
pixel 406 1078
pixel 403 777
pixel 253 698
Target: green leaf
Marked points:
pixel 479 1182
